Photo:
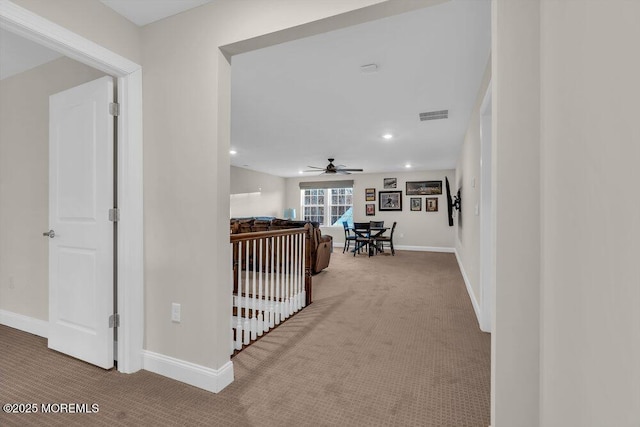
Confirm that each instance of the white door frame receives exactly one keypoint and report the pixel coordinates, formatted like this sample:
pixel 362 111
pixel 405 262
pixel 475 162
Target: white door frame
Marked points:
pixel 487 245
pixel 129 139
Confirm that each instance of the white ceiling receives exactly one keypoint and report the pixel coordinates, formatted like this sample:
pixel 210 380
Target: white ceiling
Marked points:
pixel 143 12
pixel 18 54
pixel 299 103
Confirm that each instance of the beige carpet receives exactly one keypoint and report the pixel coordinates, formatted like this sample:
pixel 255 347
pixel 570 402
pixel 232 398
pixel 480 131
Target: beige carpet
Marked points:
pixel 387 341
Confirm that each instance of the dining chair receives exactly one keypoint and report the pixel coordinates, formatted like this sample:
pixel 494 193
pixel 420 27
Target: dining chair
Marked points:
pixel 348 237
pixel 363 233
pixel 376 224
pixel 389 238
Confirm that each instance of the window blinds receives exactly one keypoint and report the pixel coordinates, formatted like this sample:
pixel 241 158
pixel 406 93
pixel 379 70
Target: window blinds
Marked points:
pixel 347 183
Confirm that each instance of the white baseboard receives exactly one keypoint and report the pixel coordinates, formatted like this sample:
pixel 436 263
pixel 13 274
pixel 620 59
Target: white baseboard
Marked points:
pixel 472 296
pixel 424 248
pixel 25 323
pixel 209 379
pixel 339 245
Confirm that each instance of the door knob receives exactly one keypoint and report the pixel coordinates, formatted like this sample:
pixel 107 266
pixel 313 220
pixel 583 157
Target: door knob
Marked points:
pixel 51 234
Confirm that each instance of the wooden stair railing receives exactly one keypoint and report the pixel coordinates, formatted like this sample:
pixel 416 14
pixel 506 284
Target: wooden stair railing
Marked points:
pixel 271 280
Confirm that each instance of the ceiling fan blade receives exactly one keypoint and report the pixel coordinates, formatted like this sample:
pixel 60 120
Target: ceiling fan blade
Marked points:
pixel 331 169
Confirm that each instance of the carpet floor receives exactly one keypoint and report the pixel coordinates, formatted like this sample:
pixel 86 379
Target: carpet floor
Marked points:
pixel 387 341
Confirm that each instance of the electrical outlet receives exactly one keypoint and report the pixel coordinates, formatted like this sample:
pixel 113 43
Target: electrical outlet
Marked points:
pixel 401 235
pixel 11 285
pixel 175 312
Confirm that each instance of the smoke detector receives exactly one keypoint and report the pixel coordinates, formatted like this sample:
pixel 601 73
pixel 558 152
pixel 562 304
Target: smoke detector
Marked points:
pixel 369 68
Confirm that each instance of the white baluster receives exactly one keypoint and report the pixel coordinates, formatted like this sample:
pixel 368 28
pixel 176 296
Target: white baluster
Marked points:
pixel 246 326
pixel 287 277
pixel 300 272
pixel 254 322
pixel 303 293
pixel 294 278
pixel 287 273
pixel 260 289
pixel 239 300
pixel 278 281
pixel 272 276
pixel 283 280
pixel 267 281
pixel 290 275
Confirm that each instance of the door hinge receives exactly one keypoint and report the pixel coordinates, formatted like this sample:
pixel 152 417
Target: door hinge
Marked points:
pixel 114 108
pixel 114 321
pixel 114 215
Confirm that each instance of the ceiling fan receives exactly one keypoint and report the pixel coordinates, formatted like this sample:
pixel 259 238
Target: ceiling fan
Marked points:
pixel 332 169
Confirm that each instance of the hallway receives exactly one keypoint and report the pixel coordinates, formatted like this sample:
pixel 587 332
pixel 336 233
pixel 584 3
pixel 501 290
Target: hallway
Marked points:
pixel 387 341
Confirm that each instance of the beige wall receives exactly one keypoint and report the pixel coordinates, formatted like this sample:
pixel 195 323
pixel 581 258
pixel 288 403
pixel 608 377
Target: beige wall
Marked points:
pixel 256 194
pixel 590 213
pixel 92 20
pixel 24 182
pixel 186 83
pixel 186 164
pixel 566 348
pixel 467 242
pixel 516 175
pixel 419 230
pixel 588 320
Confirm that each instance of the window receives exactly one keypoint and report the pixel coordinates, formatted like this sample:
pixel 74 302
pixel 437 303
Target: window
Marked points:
pixel 314 204
pixel 341 202
pixel 327 206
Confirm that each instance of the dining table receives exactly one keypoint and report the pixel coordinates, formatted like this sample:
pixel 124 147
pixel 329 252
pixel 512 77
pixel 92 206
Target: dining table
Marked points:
pixel 367 236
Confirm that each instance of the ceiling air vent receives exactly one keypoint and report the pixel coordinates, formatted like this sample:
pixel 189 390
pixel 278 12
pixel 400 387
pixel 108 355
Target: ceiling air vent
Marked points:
pixel 434 115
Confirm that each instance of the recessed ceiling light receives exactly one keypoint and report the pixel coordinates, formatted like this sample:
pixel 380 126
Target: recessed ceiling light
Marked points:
pixel 407 165
pixel 387 136
pixel 299 172
pixel 232 152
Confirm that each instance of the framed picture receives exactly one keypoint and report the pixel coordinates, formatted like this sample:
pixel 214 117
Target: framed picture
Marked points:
pixel 390 182
pixel 390 200
pixel 370 209
pixel 370 194
pixel 424 188
pixel 432 204
pixel 416 203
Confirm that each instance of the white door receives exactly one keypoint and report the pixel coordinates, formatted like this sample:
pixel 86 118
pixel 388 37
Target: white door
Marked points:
pixel 81 259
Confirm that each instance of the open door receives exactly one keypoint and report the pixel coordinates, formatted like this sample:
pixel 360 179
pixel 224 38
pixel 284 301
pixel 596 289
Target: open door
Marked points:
pixel 81 234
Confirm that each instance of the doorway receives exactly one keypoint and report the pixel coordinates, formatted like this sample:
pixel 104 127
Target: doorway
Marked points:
pixel 487 274
pixel 130 304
